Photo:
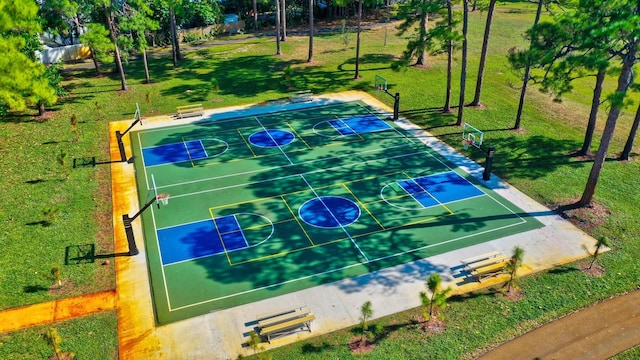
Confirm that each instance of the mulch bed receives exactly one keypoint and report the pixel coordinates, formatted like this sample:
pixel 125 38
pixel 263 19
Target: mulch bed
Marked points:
pixel 358 345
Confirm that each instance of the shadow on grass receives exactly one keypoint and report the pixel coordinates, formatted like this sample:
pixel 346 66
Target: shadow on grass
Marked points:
pixel 86 254
pixel 31 289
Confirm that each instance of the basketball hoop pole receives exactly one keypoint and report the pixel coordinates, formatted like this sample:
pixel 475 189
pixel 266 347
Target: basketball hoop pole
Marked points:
pixel 119 135
pixel 126 220
pixel 396 103
pixel 486 175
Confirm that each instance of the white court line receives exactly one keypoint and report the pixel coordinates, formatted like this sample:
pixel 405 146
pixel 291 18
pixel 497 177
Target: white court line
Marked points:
pixel 213 178
pixel 274 141
pixel 334 218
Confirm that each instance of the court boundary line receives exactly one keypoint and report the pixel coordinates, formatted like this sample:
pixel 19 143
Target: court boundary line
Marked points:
pixel 427 150
pixel 330 271
pixel 352 239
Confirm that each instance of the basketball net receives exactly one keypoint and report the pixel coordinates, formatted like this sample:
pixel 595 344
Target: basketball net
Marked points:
pixel 163 198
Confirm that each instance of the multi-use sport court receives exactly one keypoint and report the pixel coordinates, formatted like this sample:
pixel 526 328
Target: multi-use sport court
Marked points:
pixel 268 203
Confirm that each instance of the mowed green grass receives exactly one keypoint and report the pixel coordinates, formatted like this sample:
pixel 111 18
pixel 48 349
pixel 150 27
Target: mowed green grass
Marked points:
pixel 534 160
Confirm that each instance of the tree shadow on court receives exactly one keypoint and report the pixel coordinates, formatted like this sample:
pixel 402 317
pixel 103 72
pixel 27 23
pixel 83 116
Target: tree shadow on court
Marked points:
pixel 272 269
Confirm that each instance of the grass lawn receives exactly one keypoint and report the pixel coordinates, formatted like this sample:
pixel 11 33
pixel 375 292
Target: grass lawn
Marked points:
pixel 48 209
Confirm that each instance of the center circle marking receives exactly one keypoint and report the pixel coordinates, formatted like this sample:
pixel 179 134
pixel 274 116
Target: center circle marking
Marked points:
pixel 329 212
pixel 271 138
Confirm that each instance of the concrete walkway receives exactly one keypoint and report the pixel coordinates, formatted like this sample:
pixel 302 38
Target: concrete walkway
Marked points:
pixel 597 332
pixel 58 310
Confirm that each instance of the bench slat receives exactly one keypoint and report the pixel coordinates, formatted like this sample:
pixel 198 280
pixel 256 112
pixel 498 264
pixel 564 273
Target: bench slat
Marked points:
pixel 291 324
pixel 282 317
pixel 190 110
pixel 482 263
pixel 490 270
pixel 480 257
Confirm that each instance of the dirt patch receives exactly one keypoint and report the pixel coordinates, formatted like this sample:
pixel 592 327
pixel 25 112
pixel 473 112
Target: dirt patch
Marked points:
pixel 358 345
pixel 587 217
pixel 435 325
pixel 595 270
pixel 580 156
pixel 63 356
pixel 66 287
pixel 513 294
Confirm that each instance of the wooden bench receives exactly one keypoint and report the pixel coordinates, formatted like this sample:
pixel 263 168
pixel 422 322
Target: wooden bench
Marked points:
pixel 484 266
pixel 482 263
pixel 488 271
pixel 488 255
pixel 189 110
pixel 284 323
pixel 300 96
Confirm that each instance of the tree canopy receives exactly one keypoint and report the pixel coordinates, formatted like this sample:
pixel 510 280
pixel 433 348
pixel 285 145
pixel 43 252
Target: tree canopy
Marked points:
pixel 22 78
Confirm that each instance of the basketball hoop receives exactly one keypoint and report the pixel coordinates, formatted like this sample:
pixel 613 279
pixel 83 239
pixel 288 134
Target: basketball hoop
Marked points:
pixel 466 143
pixel 163 198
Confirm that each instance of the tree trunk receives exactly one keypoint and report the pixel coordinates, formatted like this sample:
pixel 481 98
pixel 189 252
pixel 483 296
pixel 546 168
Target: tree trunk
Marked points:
pixel 311 30
pixel 525 80
pixel 447 102
pixel 147 78
pixel 357 75
pixel 483 54
pixel 112 34
pixel 255 16
pixel 463 71
pixel 625 79
pixel 424 25
pixel 628 146
pixel 41 108
pixel 278 48
pixel 283 21
pixel 593 115
pixel 95 62
pixel 174 38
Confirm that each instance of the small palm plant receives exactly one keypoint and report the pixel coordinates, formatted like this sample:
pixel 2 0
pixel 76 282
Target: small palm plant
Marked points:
pixel 55 273
pixel 62 160
pixel 602 242
pixel 54 340
pixel 50 214
pixel 366 312
pixel 74 127
pixel 438 298
pixel 512 267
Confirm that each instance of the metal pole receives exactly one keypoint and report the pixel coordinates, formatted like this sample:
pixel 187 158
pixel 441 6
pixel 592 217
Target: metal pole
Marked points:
pixel 486 175
pixel 133 248
pixel 123 153
pixel 396 107
pixel 126 220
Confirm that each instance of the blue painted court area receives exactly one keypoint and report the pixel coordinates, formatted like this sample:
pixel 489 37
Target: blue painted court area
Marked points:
pixel 173 153
pixel 359 125
pixel 329 212
pixel 439 189
pixel 203 238
pixel 271 138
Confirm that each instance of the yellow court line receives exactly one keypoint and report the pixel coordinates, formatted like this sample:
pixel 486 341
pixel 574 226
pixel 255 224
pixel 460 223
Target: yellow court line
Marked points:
pixel 226 253
pixel 284 253
pixel 246 143
pixel 354 130
pixel 363 205
pixel 298 135
pixel 298 221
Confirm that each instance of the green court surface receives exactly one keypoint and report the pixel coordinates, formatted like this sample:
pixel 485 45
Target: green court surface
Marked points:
pixel 262 205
